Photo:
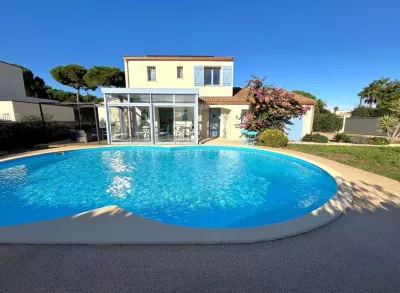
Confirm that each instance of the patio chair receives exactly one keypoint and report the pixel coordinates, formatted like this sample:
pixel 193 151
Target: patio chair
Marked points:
pixel 180 132
pixel 164 134
pixel 251 137
pixel 143 132
pixel 243 135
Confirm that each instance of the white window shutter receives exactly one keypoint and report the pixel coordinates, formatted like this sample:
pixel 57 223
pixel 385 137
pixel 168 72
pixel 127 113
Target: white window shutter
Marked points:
pixel 198 75
pixel 227 75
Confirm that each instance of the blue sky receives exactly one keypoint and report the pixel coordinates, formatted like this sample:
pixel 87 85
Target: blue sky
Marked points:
pixel 329 48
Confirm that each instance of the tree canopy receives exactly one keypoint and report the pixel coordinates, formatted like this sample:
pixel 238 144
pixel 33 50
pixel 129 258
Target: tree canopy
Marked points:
pixel 37 88
pixel 65 96
pixel 34 85
pixel 70 75
pixel 363 111
pixel 324 120
pixel 305 94
pixel 381 92
pixel 105 76
pixel 319 106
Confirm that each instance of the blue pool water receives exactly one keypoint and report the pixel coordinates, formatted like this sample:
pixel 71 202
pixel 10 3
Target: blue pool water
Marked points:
pixel 212 187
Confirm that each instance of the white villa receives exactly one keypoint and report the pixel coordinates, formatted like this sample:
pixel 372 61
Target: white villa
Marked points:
pixel 181 99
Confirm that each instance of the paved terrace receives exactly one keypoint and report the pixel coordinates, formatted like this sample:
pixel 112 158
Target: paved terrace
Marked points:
pixel 358 252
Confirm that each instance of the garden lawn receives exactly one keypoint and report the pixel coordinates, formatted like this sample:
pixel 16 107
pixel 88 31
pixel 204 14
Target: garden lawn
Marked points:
pixel 383 161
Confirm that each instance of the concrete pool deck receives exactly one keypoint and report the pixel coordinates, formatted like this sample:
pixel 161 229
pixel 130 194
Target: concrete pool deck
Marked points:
pixel 358 252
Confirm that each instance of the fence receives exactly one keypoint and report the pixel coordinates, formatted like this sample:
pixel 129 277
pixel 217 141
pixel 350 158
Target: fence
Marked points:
pixel 7 116
pixel 364 126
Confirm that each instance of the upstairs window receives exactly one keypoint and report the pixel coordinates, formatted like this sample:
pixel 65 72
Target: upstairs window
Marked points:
pixel 151 73
pixel 179 72
pixel 212 75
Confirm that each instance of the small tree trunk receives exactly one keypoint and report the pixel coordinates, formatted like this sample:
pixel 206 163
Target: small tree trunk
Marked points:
pixel 395 134
pixel 79 110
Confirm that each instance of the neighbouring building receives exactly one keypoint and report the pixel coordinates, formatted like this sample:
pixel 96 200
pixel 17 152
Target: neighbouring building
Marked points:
pixel 341 113
pixel 181 99
pixel 15 105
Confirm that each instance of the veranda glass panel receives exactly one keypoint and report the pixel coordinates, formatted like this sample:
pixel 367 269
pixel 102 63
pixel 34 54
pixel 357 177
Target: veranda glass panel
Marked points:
pixel 185 99
pixel 162 98
pixel 119 124
pixel 139 98
pixel 117 98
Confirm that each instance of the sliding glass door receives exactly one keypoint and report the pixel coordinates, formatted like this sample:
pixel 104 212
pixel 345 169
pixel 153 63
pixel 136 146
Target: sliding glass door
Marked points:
pixel 163 124
pixel 140 124
pixel 184 124
pixel 173 124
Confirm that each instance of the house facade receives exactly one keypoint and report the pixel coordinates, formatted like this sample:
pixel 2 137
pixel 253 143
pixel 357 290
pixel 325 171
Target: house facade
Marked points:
pixel 179 99
pixel 211 75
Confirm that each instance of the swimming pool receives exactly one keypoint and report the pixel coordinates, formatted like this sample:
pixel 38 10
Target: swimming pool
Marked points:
pixel 196 186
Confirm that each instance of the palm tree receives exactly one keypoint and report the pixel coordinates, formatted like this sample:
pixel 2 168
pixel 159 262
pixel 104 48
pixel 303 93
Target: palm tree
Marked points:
pixel 390 124
pixel 371 93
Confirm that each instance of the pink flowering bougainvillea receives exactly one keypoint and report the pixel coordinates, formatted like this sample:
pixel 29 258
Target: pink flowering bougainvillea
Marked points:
pixel 270 108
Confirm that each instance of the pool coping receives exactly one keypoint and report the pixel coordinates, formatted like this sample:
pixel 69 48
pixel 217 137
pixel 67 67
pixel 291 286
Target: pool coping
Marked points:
pixel 114 225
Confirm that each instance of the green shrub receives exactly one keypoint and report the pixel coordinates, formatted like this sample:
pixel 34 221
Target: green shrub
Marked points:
pixel 272 138
pixel 30 132
pixel 367 112
pixel 59 131
pixel 359 140
pixel 379 141
pixel 327 122
pixel 315 138
pixel 341 137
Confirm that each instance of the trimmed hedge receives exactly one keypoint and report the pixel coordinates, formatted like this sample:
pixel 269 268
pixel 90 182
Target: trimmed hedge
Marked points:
pixel 26 134
pixel 272 138
pixel 315 138
pixel 363 111
pixel 327 122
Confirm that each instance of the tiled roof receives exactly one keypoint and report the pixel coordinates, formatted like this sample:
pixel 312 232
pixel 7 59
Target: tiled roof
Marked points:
pixel 179 58
pixel 243 93
pixel 223 100
pixel 241 99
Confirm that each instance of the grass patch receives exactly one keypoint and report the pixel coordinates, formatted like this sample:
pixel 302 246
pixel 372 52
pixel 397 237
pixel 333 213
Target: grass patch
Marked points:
pixel 383 161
